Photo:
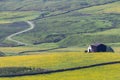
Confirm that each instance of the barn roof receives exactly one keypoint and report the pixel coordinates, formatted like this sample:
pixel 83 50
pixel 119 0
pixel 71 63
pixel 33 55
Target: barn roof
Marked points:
pixel 97 44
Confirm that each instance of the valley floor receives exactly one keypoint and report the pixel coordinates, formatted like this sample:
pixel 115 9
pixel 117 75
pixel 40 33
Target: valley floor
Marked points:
pixel 64 60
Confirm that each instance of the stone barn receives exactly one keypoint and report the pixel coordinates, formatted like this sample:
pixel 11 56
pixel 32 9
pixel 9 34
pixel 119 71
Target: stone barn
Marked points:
pixel 99 47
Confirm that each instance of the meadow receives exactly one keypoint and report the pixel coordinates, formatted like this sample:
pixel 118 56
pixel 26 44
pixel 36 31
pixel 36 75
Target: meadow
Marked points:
pixel 110 72
pixel 64 60
pixel 57 60
pixel 10 51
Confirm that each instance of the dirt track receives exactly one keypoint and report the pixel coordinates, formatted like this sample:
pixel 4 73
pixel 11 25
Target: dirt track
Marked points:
pixel 10 37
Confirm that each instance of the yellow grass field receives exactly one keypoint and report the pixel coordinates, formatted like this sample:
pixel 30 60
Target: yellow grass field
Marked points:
pixel 63 60
pixel 58 60
pixel 110 72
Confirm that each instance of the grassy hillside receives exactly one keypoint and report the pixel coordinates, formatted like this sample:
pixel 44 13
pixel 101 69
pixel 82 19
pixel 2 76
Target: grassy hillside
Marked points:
pixel 8 29
pixel 17 16
pixel 12 22
pixel 48 5
pixel 109 8
pixel 59 27
pixel 109 36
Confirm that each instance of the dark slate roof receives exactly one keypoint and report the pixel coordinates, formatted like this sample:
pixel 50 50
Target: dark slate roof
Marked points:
pixel 97 44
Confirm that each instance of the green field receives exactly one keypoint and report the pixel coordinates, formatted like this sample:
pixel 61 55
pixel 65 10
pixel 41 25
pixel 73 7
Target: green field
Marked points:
pixel 10 51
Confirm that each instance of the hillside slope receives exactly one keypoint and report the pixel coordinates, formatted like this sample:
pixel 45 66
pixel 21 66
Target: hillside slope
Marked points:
pixel 108 8
pixel 48 5
pixel 70 21
pixel 69 29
